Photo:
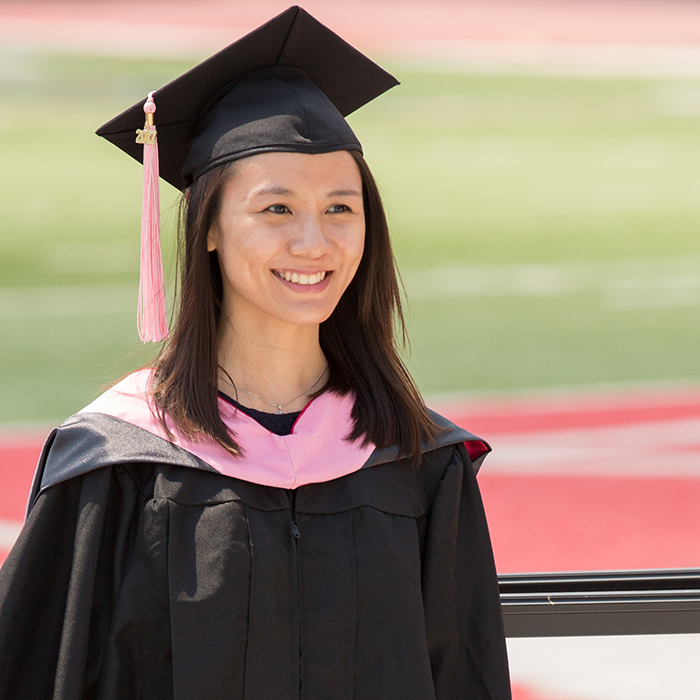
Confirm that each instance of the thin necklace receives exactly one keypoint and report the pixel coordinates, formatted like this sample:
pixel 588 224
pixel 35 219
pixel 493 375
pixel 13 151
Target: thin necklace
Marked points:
pixel 280 406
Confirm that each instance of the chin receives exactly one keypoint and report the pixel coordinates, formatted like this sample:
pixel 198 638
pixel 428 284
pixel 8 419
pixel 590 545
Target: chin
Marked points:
pixel 306 317
pixel 305 320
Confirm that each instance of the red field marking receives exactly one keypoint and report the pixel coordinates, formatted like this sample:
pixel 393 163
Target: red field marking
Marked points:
pixel 569 523
pixel 18 460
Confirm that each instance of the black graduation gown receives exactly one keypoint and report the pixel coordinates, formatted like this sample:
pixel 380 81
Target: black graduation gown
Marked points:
pixel 143 573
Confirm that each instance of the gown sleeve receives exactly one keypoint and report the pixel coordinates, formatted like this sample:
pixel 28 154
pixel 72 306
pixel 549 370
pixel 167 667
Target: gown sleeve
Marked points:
pixel 464 623
pixel 59 585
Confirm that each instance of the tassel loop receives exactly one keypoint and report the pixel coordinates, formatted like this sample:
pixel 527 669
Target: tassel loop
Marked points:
pixel 152 316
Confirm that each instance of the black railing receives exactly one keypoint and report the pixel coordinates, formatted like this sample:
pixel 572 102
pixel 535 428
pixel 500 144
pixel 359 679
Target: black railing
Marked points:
pixel 585 603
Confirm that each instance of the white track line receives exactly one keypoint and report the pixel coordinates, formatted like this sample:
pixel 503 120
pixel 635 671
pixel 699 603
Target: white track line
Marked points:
pixel 662 448
pixel 9 532
pixel 625 283
pixel 669 448
pixel 653 667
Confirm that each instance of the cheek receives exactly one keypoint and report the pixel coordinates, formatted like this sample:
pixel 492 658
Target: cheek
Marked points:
pixel 244 263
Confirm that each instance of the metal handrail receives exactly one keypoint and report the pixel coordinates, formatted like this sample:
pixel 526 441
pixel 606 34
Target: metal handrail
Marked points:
pixel 583 603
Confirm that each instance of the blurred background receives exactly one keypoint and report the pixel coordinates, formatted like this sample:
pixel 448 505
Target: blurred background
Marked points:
pixel 540 164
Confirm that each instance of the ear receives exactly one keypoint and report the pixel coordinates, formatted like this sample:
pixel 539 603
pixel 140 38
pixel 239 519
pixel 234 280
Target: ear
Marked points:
pixel 212 239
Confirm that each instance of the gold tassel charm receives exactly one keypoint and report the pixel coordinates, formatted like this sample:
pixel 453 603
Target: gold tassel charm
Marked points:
pixel 147 135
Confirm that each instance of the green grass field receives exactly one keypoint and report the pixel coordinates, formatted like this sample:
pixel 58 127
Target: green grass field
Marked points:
pixel 512 179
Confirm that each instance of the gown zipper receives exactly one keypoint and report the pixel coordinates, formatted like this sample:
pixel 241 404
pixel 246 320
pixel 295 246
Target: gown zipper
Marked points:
pixel 292 494
pixel 293 514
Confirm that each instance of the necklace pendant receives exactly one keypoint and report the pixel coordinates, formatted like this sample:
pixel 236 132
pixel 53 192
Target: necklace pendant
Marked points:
pixel 279 409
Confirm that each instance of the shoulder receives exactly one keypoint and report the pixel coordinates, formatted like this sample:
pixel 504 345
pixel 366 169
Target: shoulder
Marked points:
pixel 452 439
pixel 397 485
pixel 90 440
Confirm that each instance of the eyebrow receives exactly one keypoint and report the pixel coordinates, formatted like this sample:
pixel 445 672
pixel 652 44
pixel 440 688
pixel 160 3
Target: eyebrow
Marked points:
pixel 345 193
pixel 273 190
pixel 282 192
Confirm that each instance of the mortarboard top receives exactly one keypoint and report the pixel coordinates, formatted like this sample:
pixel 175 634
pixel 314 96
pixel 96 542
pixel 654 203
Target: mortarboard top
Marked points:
pixel 286 86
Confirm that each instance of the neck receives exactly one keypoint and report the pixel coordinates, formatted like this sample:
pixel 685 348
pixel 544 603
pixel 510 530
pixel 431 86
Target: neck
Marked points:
pixel 271 365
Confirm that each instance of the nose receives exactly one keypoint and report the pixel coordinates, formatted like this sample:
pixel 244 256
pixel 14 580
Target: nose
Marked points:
pixel 309 239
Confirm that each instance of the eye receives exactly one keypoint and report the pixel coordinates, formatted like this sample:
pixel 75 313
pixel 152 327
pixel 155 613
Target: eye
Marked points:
pixel 278 209
pixel 339 209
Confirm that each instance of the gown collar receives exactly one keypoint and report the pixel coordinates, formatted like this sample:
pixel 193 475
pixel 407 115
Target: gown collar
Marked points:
pixel 316 449
pixel 119 427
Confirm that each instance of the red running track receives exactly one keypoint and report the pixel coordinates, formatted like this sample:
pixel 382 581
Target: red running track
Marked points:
pixel 568 523
pixel 591 481
pixel 17 461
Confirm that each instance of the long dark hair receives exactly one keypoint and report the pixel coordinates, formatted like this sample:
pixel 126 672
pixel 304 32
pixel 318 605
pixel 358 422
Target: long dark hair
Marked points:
pixel 361 339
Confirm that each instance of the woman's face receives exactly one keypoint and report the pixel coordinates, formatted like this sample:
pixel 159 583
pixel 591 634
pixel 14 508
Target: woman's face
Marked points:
pixel 290 236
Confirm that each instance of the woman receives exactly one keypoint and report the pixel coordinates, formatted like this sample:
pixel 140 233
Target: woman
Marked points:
pixel 270 512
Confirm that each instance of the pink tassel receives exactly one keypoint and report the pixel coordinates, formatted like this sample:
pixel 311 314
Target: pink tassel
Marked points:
pixel 152 317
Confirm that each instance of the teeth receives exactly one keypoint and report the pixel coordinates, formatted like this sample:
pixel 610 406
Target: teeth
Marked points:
pixel 301 278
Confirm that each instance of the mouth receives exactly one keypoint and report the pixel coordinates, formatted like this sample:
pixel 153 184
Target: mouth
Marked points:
pixel 302 278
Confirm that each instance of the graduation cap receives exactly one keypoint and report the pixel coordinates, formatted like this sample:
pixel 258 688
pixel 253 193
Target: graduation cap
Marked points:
pixel 286 86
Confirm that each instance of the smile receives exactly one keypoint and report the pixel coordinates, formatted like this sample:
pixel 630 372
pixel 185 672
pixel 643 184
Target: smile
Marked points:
pixel 300 277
